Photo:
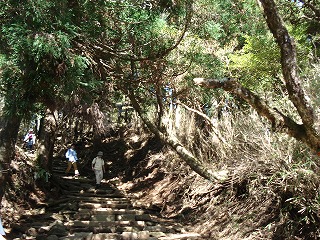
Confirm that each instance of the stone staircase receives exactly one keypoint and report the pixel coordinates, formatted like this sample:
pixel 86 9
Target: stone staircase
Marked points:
pixel 84 213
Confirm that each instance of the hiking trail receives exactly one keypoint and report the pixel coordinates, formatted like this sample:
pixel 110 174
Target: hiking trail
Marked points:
pixel 82 212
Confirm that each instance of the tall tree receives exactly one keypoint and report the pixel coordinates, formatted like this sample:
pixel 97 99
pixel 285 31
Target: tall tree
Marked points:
pixel 39 66
pixel 304 131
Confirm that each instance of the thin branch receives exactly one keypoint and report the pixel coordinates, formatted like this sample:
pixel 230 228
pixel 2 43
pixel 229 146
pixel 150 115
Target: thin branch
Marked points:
pixel 207 119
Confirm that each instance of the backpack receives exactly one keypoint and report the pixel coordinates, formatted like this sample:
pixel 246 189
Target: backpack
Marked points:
pixel 30 136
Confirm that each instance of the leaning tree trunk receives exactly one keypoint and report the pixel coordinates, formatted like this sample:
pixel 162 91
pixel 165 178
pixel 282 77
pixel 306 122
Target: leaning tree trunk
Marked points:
pixel 8 135
pixel 194 163
pixel 47 139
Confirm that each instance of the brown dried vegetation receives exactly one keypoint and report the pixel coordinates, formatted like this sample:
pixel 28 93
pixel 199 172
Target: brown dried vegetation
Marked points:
pixel 270 188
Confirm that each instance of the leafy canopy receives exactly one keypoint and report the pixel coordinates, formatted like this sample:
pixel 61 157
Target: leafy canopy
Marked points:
pixel 37 43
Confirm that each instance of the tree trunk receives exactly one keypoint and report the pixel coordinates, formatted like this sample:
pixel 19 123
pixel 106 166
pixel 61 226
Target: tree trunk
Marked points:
pixel 290 70
pixel 8 136
pixel 160 105
pixel 47 140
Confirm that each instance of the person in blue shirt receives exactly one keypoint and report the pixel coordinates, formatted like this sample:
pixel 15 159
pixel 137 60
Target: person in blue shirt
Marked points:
pixel 71 155
pixel 2 233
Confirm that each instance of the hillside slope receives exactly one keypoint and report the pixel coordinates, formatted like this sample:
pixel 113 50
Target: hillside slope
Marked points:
pixel 260 204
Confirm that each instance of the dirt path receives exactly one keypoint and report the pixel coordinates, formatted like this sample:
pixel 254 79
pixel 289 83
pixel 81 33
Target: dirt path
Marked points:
pixel 83 212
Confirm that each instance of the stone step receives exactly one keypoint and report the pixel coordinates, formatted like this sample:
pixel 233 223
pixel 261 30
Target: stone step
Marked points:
pixel 159 228
pixel 109 217
pixel 182 236
pixel 143 235
pixel 105 226
pixel 133 217
pixel 56 164
pixel 98 199
pixel 131 235
pixel 92 236
pixel 106 218
pixel 81 188
pixel 71 179
pixel 103 188
pixel 110 211
pixel 106 193
pixel 104 205
pixel 85 213
pixel 98 217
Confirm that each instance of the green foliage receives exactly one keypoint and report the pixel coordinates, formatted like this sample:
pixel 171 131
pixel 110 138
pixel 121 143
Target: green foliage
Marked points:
pixel 214 30
pixel 257 64
pixel 53 45
pixel 145 30
pixel 227 21
pixel 146 34
pixel 304 45
pixel 41 64
pixel 303 23
pixel 41 174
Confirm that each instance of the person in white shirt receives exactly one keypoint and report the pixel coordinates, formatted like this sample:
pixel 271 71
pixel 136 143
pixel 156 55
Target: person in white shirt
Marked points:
pixel 98 168
pixel 30 139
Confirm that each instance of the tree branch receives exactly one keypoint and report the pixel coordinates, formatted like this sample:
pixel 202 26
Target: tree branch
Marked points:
pixel 277 119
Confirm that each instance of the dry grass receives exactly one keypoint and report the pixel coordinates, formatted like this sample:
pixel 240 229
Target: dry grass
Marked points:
pixel 273 183
pixel 273 188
